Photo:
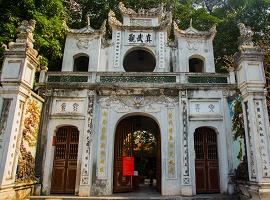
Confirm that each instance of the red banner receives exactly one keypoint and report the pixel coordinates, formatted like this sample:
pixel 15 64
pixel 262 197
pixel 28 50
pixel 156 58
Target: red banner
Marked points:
pixel 128 166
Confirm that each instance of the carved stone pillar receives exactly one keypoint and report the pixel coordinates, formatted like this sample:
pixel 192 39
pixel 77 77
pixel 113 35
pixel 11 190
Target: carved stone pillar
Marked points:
pixel 186 181
pixel 251 82
pixel 17 79
pixel 85 181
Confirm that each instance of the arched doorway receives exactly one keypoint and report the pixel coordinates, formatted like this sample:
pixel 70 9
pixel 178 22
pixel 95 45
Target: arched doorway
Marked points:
pixel 65 160
pixel 206 160
pixel 138 137
pixel 139 60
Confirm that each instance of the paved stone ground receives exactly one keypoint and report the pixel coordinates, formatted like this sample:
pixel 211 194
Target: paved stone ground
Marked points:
pixel 143 193
pixel 197 197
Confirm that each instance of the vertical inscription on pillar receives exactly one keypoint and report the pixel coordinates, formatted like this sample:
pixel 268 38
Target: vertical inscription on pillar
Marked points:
pixel 171 145
pixel 161 50
pixel 86 151
pixel 186 178
pixel 253 171
pixel 4 116
pixel 101 173
pixel 262 138
pixel 117 49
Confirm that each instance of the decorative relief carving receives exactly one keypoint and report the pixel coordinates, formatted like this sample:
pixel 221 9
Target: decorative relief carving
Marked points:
pixel 26 163
pixel 101 173
pixel 86 154
pixel 83 43
pixel 140 22
pixel 171 145
pixel 192 44
pixel 262 139
pixel 126 103
pixel 186 174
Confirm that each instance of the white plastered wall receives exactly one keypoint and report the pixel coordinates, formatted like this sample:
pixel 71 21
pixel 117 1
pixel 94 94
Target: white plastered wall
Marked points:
pixel 155 48
pixel 221 125
pixel 53 126
pixel 169 186
pixel 192 47
pixel 82 44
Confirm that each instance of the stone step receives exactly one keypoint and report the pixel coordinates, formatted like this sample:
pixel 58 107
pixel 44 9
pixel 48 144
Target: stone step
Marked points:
pixel 146 197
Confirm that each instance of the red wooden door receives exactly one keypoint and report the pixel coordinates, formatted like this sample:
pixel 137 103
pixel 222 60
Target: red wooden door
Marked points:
pixel 65 161
pixel 158 164
pixel 206 161
pixel 123 147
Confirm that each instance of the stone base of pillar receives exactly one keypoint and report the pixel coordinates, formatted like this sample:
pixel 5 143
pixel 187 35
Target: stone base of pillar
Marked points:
pixel 37 191
pixel 84 190
pixel 186 190
pixel 253 190
pixel 17 191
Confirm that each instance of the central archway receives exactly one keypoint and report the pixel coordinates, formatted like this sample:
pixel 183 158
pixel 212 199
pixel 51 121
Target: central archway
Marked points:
pixel 139 60
pixel 138 137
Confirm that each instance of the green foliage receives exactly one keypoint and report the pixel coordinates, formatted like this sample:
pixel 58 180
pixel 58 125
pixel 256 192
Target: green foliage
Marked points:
pixel 238 126
pixel 51 15
pixel 240 153
pixel 238 120
pixel 50 30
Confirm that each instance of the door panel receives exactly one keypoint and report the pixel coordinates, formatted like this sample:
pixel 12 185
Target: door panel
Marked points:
pixel 206 161
pixel 65 161
pixel 123 146
pixel 121 183
pixel 158 164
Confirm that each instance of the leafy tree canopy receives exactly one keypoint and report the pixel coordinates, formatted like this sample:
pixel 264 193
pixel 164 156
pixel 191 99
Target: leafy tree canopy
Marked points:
pixel 50 30
pixel 51 15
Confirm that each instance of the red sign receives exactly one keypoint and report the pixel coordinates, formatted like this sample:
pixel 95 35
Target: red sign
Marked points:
pixel 128 166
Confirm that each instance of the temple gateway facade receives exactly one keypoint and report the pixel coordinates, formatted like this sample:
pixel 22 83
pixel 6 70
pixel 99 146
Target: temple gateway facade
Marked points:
pixel 138 104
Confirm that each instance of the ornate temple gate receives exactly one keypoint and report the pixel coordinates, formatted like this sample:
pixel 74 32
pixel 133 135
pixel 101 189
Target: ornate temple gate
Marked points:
pixel 206 161
pixel 124 146
pixel 65 160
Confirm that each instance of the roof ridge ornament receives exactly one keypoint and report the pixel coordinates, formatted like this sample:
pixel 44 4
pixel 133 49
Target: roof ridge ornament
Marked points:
pixel 192 32
pixel 124 10
pixel 153 12
pixel 24 40
pixel 190 23
pixel 245 40
pixel 88 20
pixel 113 22
pixel 246 35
